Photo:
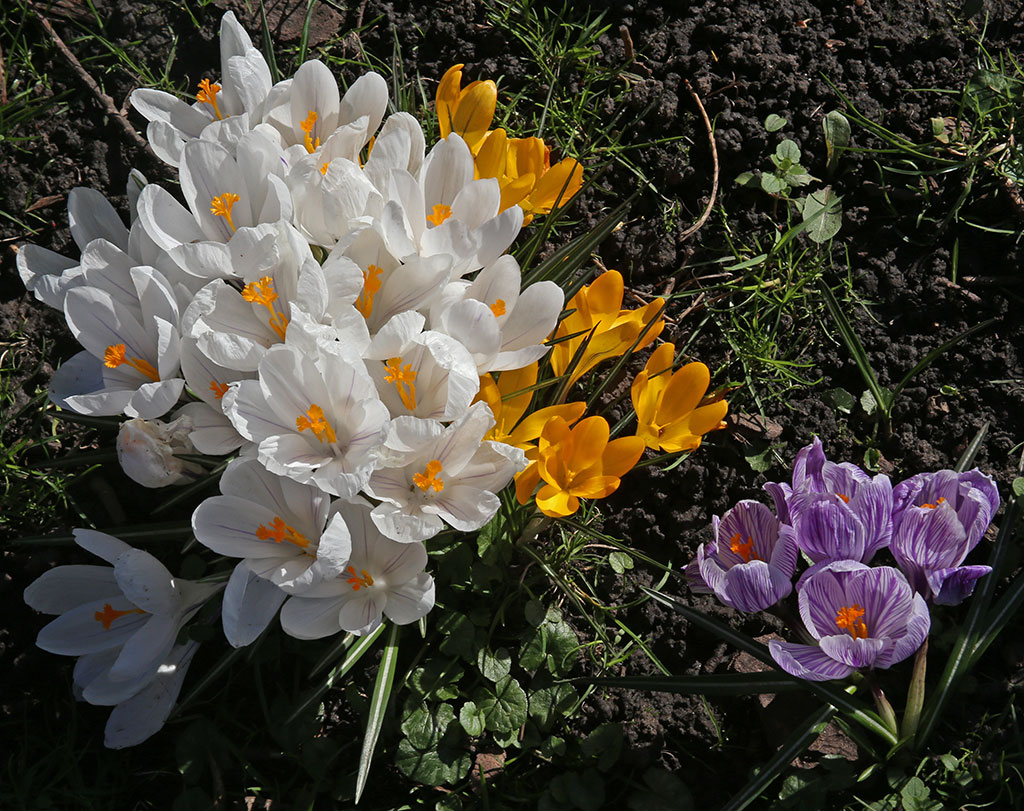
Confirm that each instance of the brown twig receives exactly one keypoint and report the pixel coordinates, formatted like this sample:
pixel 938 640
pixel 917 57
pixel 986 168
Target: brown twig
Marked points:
pixel 104 100
pixel 693 229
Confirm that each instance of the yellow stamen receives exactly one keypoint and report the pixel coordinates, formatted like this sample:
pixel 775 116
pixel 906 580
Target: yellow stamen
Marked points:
pixel 849 619
pixel 323 167
pixel 218 389
pixel 221 205
pixel 404 380
pixel 441 213
pixel 264 294
pixel 357 582
pixel 744 550
pixel 114 356
pixel 371 286
pixel 208 95
pixel 936 504
pixel 307 127
pixel 498 308
pixel 428 478
pixel 280 532
pixel 315 421
pixel 107 616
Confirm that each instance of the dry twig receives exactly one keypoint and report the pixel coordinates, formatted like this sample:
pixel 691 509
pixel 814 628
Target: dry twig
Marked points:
pixel 693 229
pixel 102 98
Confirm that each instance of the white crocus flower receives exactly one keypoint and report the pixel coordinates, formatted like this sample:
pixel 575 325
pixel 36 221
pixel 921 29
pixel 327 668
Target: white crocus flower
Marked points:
pixel 212 432
pixel 316 420
pixel 430 475
pixel 399 145
pixel 146 450
pixel 126 367
pixel 421 373
pixel 222 111
pixel 140 717
pixel 447 211
pixel 382 578
pixel 285 535
pixel 307 109
pixel 502 328
pixel 121 621
pixel 332 197
pixel 377 284
pixel 235 327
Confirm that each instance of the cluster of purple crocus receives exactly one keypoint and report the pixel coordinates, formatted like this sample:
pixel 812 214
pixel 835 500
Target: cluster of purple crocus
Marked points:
pixel 839 517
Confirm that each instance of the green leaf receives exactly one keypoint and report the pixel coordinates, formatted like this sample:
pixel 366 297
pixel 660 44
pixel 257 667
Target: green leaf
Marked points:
pixel 841 400
pixel 788 150
pixel 459 636
pixel 535 612
pixel 916 796
pixel 472 719
pixel 758 454
pixel 548 704
pixel 1018 486
pixel 494 666
pixel 378 706
pixel 662 791
pixel 823 214
pixel 604 744
pixel 504 705
pixel 584 791
pixel 773 184
pixel 620 562
pixel 425 726
pixel 747 180
pixel 939 131
pixel 448 763
pixel 774 123
pixel 361 645
pixel 837 136
pixel 437 678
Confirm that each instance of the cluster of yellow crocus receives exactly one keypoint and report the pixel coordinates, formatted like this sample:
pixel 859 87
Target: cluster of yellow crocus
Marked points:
pixel 522 166
pixel 572 458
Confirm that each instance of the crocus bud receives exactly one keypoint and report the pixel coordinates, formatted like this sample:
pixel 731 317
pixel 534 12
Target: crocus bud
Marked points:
pixel 146 448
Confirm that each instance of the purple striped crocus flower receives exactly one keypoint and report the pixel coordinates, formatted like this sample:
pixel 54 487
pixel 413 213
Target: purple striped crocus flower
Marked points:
pixel 863 617
pixel 834 511
pixel 748 565
pixel 939 518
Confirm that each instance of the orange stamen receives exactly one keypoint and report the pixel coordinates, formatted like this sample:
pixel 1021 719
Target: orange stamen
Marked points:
pixel 107 616
pixel 846 499
pixel 114 356
pixel 218 389
pixel 404 380
pixel 371 286
pixel 498 308
pixel 357 582
pixel 848 618
pixel 441 213
pixel 307 127
pixel 936 504
pixel 744 550
pixel 315 421
pixel 208 95
pixel 221 205
pixel 264 294
pixel 428 478
pixel 281 532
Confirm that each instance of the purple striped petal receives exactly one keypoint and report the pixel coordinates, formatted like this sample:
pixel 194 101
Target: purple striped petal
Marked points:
pixel 694 579
pixel 885 596
pixel 786 553
pixel 856 653
pixel 807 661
pixel 929 538
pixel 753 586
pixel 780 493
pixel 750 521
pixel 808 468
pixel 953 586
pixel 917 627
pixel 826 528
pixel 821 596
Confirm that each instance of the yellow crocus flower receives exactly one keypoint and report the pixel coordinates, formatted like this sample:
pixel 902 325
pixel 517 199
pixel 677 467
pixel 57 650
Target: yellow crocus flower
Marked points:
pixel 598 317
pixel 574 463
pixel 512 424
pixel 466 111
pixel 668 407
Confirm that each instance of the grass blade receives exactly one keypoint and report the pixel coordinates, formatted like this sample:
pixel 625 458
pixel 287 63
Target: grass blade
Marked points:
pixel 802 737
pixel 378 705
pixel 715 684
pixel 967 457
pixel 856 349
pixel 355 653
pixel 927 360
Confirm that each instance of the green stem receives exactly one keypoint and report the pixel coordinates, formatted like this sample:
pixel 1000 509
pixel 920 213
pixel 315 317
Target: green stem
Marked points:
pixel 533 529
pixel 883 706
pixel 915 693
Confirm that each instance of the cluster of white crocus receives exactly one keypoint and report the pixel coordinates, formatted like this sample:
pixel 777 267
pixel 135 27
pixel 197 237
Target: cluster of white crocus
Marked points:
pixel 320 302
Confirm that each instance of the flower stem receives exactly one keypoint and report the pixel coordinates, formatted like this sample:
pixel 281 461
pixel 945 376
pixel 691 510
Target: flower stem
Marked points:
pixel 883 706
pixel 915 693
pixel 533 529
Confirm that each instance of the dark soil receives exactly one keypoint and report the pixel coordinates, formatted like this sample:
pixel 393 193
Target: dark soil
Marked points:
pixel 746 59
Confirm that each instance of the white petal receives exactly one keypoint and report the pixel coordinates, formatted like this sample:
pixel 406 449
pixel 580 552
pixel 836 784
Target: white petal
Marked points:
pixel 250 603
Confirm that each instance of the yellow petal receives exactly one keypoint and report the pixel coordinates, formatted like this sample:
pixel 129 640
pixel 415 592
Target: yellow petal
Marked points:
pixel 557 186
pixel 490 160
pixel 684 392
pixel 556 503
pixel 531 427
pixel 589 440
pixel 527 156
pixel 660 360
pixel 514 192
pixel 490 394
pixel 604 294
pixel 596 487
pixel 448 97
pixel 621 455
pixel 474 112
pixel 526 482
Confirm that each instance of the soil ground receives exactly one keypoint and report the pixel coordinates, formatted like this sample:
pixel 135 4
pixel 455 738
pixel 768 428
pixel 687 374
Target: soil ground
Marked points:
pixel 746 59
